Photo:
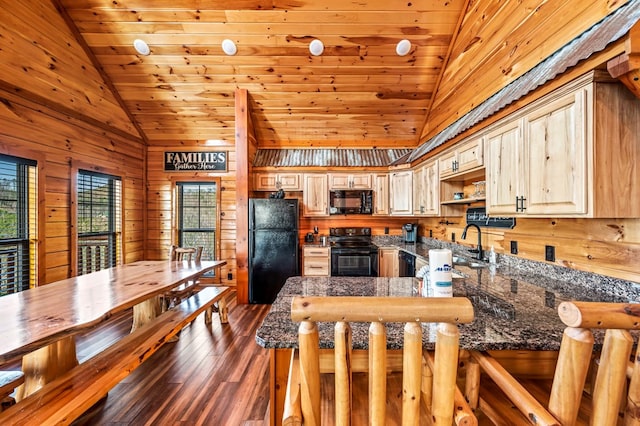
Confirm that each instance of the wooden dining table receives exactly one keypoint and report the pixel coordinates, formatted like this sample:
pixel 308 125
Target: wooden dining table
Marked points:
pixel 39 324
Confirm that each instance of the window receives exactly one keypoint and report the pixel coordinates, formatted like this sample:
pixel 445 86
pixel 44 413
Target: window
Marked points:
pixel 18 224
pixel 197 215
pixel 99 221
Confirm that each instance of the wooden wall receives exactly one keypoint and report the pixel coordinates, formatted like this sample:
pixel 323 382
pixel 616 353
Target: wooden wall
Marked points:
pixel 604 246
pixel 55 108
pixel 159 210
pixel 497 42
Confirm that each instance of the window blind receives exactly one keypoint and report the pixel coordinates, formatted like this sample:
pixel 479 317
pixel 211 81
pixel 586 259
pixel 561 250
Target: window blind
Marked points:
pixel 98 221
pixel 18 224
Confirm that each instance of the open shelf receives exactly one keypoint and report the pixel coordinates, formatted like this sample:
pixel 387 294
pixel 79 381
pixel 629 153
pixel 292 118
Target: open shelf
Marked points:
pixel 463 201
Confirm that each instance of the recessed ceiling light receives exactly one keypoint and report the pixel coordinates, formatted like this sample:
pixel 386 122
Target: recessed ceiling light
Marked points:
pixel 316 47
pixel 141 47
pixel 229 47
pixel 403 47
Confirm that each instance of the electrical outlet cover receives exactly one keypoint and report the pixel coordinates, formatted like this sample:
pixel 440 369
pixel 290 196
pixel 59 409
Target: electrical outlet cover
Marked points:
pixel 514 247
pixel 550 253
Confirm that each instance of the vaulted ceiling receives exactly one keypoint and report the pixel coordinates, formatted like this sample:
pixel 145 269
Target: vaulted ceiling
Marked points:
pixel 359 92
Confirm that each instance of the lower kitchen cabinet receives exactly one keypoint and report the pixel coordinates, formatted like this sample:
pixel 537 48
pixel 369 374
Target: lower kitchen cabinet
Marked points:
pixel 316 261
pixel 388 262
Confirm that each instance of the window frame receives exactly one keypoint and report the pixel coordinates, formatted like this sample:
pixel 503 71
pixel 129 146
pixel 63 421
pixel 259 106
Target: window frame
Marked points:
pixel 175 181
pixel 26 232
pixel 38 240
pixel 76 168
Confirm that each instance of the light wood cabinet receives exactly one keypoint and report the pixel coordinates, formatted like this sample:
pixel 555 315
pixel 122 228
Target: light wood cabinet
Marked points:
pixel 463 158
pixel 350 181
pixel 426 190
pixel 504 167
pixel 388 265
pixel 555 150
pixel 401 193
pixel 537 163
pixel 381 194
pixel 315 196
pixel 316 261
pixel 573 153
pixel 274 181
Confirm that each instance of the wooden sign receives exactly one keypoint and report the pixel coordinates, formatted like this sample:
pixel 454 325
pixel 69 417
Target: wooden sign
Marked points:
pixel 188 161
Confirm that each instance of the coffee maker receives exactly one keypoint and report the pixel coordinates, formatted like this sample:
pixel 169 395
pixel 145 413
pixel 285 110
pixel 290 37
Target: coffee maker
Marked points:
pixel 410 233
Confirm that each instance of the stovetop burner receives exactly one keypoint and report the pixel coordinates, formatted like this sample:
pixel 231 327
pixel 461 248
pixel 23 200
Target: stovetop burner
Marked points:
pixel 356 238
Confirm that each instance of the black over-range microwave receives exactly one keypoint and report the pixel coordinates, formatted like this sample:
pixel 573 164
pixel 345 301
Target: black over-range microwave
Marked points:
pixel 351 202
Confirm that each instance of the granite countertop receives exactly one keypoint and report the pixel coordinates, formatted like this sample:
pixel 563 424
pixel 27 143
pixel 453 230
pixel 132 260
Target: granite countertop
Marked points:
pixel 515 304
pixel 521 319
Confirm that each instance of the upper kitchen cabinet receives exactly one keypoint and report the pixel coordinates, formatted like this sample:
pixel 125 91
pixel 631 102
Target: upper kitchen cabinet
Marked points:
pixel 401 193
pixel 504 168
pixel 463 158
pixel 350 181
pixel 381 194
pixel 315 196
pixel 426 190
pixel 269 181
pixel 573 153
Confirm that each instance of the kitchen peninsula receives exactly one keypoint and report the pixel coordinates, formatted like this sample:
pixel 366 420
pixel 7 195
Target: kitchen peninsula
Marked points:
pixel 515 310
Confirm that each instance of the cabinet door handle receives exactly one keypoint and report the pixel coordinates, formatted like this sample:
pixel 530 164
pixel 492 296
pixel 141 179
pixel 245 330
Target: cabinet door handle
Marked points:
pixel 520 204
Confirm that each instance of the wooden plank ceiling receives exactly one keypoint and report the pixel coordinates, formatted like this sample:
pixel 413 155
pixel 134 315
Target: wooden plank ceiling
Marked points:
pixel 358 93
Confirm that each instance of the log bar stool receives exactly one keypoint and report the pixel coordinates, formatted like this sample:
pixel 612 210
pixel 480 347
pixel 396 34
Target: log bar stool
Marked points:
pixel 426 377
pixel 569 402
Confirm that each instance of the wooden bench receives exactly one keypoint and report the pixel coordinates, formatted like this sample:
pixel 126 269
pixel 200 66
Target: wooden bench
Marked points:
pixel 9 380
pixel 69 396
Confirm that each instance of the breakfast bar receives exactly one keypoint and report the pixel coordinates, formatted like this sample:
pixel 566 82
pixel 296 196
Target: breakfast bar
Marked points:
pixel 516 318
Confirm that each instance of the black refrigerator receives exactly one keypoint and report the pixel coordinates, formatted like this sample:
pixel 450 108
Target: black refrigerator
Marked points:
pixel 273 246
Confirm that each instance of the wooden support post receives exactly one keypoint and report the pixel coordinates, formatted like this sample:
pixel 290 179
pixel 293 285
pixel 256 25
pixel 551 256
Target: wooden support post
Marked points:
pixel 445 372
pixel 343 373
pixel 612 376
pixel 632 411
pixel 309 373
pixel 377 373
pixel 571 374
pixel 45 364
pixel 411 373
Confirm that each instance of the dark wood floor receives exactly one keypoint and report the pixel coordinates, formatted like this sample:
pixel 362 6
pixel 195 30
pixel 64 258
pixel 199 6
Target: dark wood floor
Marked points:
pixel 214 375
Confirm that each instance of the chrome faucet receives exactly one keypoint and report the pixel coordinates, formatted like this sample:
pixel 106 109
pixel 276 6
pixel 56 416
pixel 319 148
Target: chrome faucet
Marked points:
pixel 478 251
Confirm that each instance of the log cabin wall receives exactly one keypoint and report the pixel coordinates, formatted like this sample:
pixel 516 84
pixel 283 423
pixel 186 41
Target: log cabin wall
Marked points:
pixel 56 108
pixel 497 42
pixel 55 103
pixel 161 202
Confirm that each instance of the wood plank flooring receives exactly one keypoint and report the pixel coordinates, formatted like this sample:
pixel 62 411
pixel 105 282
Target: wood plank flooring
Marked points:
pixel 213 375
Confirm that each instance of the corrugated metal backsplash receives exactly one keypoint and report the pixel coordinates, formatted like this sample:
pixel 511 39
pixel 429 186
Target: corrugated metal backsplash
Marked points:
pixel 328 157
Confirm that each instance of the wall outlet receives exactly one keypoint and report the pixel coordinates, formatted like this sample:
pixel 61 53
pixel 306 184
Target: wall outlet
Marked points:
pixel 386 230
pixel 550 253
pixel 430 233
pixel 453 237
pixel 229 276
pixel 514 247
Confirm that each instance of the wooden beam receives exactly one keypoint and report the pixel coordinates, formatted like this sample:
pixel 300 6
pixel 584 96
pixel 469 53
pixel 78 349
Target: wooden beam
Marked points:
pixel 243 131
pixel 626 67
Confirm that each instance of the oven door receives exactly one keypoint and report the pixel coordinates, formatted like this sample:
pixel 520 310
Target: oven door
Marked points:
pixel 353 262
